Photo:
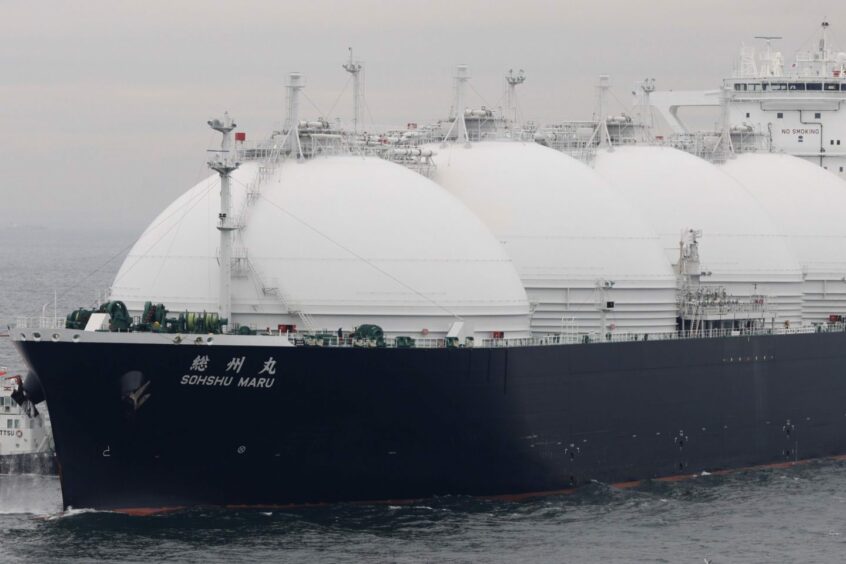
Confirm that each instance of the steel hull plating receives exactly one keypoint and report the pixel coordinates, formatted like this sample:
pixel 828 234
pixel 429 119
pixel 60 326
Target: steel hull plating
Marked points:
pixel 348 424
pixel 28 463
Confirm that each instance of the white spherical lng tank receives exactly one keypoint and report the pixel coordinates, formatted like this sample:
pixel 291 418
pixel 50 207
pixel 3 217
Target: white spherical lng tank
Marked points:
pixel 333 242
pixel 741 246
pixel 575 244
pixel 807 203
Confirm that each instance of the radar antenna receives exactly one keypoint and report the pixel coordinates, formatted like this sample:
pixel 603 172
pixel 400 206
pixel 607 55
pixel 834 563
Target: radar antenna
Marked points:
pixel 773 64
pixel 224 162
pixel 355 68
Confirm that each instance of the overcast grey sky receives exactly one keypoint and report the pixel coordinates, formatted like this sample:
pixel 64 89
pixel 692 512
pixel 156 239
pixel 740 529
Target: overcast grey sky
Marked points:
pixel 103 102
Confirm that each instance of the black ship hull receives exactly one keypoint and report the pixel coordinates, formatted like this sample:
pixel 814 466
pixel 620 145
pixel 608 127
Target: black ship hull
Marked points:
pixel 143 426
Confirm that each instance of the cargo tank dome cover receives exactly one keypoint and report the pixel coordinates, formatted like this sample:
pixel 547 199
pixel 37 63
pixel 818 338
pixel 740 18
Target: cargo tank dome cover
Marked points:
pixel 345 240
pixel 568 233
pixel 807 204
pixel 741 248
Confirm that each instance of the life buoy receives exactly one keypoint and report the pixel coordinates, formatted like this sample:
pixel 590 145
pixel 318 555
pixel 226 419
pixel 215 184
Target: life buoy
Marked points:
pixel 19 434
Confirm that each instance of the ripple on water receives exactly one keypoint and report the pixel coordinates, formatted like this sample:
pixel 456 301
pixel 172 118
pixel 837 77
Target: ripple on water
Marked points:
pixel 792 514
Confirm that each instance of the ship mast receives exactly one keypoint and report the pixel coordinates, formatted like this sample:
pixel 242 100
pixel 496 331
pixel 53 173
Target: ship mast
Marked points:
pixel 724 148
pixel 224 162
pixel 291 143
pixel 647 87
pixel 824 42
pixel 354 69
pixel 458 124
pixel 602 90
pixel 513 80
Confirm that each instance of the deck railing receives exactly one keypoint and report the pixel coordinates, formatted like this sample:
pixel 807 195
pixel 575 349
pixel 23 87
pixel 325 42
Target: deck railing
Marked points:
pixel 328 339
pixel 40 322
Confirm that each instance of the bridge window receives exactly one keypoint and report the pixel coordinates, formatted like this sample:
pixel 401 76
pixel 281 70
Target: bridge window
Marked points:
pixel 739 86
pixel 778 86
pixel 838 141
pixel 831 86
pixel 753 86
pixel 747 114
pixel 814 86
pixel 796 86
pixel 817 115
pixel 843 86
pixel 841 169
pixel 8 423
pixel 780 115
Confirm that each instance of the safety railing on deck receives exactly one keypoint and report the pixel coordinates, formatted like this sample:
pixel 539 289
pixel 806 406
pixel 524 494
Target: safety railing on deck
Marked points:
pixel 40 323
pixel 328 339
pixel 574 339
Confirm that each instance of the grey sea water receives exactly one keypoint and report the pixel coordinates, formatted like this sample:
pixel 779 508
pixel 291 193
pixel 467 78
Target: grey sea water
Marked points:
pixel 796 514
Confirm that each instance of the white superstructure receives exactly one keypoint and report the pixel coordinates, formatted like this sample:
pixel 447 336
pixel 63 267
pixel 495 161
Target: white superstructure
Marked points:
pixel 796 108
pixel 738 247
pixel 589 264
pixel 807 205
pixel 19 433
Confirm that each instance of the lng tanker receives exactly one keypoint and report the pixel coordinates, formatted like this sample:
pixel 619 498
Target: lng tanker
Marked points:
pixel 319 322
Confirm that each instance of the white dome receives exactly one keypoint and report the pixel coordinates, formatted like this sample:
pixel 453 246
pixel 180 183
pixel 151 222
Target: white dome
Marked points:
pixel 740 245
pixel 344 240
pixel 807 204
pixel 567 232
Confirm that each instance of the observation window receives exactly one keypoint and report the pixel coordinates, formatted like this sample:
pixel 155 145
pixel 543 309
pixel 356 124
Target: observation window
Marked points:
pixel 780 115
pixel 747 114
pixel 817 115
pixel 8 423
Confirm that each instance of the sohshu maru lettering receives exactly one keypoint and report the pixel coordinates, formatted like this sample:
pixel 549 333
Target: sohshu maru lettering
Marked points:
pixel 202 363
